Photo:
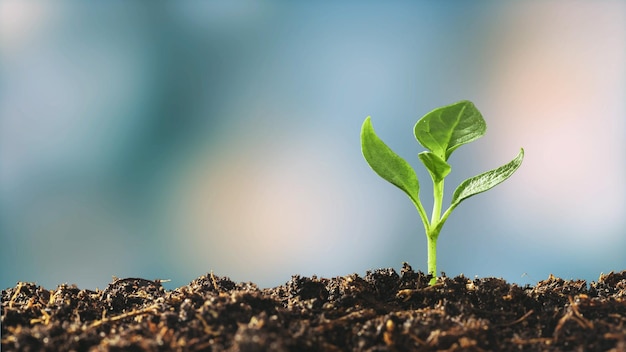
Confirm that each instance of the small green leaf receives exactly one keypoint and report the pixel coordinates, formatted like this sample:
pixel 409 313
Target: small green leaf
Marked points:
pixel 437 167
pixel 446 128
pixel 486 181
pixel 388 164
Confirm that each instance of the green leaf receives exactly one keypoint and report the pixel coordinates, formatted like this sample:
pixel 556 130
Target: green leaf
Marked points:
pixel 446 128
pixel 437 167
pixel 388 164
pixel 486 181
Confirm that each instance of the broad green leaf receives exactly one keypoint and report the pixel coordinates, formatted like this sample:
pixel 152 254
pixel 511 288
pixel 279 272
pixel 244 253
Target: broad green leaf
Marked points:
pixel 446 128
pixel 486 181
pixel 388 164
pixel 437 167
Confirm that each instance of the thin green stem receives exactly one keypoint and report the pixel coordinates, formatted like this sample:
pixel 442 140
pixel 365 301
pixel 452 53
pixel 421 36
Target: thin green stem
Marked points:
pixel 432 256
pixel 437 202
pixel 432 233
pixel 445 215
pixel 423 215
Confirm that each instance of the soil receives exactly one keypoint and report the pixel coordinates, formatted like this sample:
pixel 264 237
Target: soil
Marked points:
pixel 382 311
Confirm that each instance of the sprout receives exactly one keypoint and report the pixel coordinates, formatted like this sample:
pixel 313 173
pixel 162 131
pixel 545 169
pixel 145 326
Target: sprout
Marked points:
pixel 441 131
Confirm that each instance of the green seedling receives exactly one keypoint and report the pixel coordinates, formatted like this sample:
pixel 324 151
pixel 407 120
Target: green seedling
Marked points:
pixel 441 131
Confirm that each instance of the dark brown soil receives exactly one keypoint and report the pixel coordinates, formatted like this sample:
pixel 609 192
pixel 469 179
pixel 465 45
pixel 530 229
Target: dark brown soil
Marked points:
pixel 382 311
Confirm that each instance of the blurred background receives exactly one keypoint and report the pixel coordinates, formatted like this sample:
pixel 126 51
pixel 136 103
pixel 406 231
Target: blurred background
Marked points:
pixel 169 140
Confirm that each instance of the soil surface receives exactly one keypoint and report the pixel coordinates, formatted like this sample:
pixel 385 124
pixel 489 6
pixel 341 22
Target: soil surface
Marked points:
pixel 382 311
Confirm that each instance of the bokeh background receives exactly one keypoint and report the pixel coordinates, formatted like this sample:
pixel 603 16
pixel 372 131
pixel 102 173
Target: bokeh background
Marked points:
pixel 168 140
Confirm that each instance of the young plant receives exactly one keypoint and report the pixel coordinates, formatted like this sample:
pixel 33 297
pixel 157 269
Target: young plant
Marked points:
pixel 441 131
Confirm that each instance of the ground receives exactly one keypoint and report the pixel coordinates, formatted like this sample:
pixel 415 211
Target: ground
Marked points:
pixel 382 311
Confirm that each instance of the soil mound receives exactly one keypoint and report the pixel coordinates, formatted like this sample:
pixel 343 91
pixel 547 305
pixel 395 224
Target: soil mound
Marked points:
pixel 382 311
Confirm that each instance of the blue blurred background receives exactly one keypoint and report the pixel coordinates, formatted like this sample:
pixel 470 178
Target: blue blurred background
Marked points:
pixel 168 140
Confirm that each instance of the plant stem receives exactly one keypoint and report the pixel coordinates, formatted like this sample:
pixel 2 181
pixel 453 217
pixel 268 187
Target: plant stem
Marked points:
pixel 432 256
pixel 437 202
pixel 433 232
